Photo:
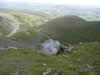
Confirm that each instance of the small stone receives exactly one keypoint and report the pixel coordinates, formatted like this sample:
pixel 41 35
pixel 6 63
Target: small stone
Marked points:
pixel 80 43
pixel 79 60
pixel 83 65
pixel 44 64
pixel 74 51
pixel 79 65
pixel 44 73
pixel 13 73
pixel 16 73
pixel 48 70
pixel 22 67
pixel 58 72
pixel 0 62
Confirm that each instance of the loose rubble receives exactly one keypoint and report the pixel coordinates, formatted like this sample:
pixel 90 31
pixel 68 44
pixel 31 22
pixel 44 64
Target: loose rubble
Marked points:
pixel 47 71
pixel 65 48
pixel 86 67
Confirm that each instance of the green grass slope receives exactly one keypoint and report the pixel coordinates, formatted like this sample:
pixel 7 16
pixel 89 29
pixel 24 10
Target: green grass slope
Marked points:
pixel 88 53
pixel 72 29
pixel 19 20
pixel 25 35
pixel 7 24
pixel 31 61
pixel 28 20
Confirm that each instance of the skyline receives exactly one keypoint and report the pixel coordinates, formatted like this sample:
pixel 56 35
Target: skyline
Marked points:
pixel 79 3
pixel 70 2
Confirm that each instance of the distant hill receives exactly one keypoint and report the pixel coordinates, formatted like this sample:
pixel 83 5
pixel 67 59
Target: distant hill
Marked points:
pixel 11 21
pixel 19 28
pixel 28 20
pixel 91 13
pixel 72 29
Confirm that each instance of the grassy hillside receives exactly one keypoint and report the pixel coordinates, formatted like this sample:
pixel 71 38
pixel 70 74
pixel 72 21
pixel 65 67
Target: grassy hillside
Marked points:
pixel 28 20
pixel 89 54
pixel 25 35
pixel 12 21
pixel 32 61
pixel 7 24
pixel 72 29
